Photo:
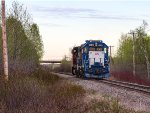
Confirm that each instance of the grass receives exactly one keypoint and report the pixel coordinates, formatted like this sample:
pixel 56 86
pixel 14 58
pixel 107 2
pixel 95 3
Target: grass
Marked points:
pixel 108 105
pixel 41 92
pixel 44 92
pixel 128 77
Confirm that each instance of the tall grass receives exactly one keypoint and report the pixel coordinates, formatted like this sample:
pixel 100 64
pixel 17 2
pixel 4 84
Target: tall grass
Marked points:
pixel 41 92
pixel 129 77
pixel 110 105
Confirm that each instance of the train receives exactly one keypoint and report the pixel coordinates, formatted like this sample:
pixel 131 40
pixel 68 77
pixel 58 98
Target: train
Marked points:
pixel 91 60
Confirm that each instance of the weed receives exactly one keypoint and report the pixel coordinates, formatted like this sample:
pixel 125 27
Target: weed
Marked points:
pixel 128 77
pixel 42 92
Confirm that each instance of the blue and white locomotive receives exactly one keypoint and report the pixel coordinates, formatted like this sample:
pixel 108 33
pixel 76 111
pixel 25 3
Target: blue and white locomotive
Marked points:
pixel 91 60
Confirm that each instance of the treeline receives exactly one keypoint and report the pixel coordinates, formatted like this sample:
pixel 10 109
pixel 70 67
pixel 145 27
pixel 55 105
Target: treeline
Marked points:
pixel 122 64
pixel 65 66
pixel 25 47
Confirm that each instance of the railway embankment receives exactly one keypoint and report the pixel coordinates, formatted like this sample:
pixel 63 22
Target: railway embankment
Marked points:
pixel 127 98
pixel 46 92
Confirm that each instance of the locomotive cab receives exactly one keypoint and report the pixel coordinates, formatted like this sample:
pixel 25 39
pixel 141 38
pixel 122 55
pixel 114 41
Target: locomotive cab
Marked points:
pixel 92 60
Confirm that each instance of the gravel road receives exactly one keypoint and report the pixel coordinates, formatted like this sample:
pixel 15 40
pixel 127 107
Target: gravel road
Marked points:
pixel 129 99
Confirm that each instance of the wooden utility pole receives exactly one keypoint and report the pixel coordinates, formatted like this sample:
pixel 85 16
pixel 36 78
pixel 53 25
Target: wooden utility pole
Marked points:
pixel 133 35
pixel 110 56
pixel 111 50
pixel 4 40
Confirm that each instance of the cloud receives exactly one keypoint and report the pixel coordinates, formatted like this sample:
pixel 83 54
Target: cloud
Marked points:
pixel 83 13
pixel 63 10
pixel 51 24
pixel 110 17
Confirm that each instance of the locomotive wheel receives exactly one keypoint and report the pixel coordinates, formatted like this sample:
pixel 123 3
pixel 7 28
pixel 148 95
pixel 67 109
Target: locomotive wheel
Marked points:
pixel 73 71
pixel 76 73
pixel 81 73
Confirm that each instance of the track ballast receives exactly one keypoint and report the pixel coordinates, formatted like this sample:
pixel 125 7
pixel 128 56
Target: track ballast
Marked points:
pixel 127 85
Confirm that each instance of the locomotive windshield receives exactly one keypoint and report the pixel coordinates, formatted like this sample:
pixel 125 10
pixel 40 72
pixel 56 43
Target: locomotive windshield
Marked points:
pixel 99 49
pixel 92 49
pixel 95 49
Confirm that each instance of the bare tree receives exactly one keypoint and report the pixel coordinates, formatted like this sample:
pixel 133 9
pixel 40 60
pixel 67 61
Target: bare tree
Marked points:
pixel 142 42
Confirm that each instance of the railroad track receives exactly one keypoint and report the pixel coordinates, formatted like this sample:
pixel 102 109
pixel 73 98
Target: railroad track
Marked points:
pixel 127 85
pixel 132 86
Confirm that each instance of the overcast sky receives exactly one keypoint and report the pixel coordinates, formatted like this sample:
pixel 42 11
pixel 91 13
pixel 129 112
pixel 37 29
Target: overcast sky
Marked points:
pixel 65 23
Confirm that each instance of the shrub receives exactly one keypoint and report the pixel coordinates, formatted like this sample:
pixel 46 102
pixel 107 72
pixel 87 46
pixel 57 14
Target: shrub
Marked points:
pixel 128 77
pixel 45 75
pixel 107 106
pixel 42 92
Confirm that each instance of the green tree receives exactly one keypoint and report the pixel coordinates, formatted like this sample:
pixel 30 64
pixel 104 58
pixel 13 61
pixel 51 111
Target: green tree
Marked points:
pixel 144 40
pixel 25 46
pixel 125 49
pixel 124 55
pixel 36 39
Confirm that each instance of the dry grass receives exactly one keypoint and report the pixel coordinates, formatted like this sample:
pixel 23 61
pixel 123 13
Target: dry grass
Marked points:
pixel 44 92
pixel 39 93
pixel 128 77
pixel 108 105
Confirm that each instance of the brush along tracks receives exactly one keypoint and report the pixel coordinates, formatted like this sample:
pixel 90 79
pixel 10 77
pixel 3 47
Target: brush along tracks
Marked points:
pixel 127 85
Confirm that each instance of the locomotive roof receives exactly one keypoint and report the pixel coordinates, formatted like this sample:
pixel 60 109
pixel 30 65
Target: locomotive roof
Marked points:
pixel 93 41
pixel 90 42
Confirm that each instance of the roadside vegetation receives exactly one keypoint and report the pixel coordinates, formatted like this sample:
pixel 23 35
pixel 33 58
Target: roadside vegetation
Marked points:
pixel 122 63
pixel 44 92
pixel 41 92
pixel 25 46
pixel 65 66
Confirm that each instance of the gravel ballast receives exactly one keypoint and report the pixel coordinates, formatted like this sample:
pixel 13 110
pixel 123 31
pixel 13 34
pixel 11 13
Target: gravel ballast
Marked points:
pixel 128 98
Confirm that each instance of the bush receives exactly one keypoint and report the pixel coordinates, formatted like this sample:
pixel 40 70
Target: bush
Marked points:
pixel 42 92
pixel 65 66
pixel 128 77
pixel 45 75
pixel 107 106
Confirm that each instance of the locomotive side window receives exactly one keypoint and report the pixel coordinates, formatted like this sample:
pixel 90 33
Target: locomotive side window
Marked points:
pixel 105 50
pixel 85 50
pixel 91 49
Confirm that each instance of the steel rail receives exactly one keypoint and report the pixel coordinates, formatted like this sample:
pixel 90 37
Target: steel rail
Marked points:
pixel 141 88
pixel 127 85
